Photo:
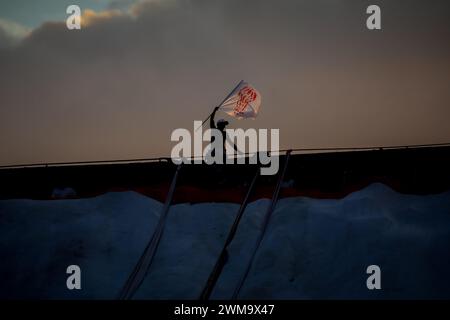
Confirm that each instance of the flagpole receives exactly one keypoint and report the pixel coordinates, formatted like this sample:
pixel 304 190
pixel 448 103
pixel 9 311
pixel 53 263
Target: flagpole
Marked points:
pixel 220 105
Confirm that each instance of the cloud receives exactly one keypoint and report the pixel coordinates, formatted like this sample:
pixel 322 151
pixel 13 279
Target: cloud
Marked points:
pixel 118 87
pixel 90 17
pixel 11 33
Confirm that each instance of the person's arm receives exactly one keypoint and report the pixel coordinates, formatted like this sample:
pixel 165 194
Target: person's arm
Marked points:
pixel 212 124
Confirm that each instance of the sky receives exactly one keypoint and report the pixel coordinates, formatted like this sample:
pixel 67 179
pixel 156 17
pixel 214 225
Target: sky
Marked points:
pixel 137 70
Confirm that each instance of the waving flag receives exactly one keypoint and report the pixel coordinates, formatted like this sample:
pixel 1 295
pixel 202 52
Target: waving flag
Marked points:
pixel 243 102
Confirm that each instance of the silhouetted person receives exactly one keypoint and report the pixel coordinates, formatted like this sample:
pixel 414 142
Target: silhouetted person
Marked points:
pixel 221 125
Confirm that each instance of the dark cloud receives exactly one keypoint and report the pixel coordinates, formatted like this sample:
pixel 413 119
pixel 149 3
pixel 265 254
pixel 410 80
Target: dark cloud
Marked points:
pixel 118 87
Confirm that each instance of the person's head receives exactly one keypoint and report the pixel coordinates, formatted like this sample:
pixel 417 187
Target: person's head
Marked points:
pixel 221 124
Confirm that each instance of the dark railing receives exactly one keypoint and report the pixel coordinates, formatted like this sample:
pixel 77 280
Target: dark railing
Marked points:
pixel 168 159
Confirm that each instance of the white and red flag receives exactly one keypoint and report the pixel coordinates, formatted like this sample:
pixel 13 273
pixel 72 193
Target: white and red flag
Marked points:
pixel 243 102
